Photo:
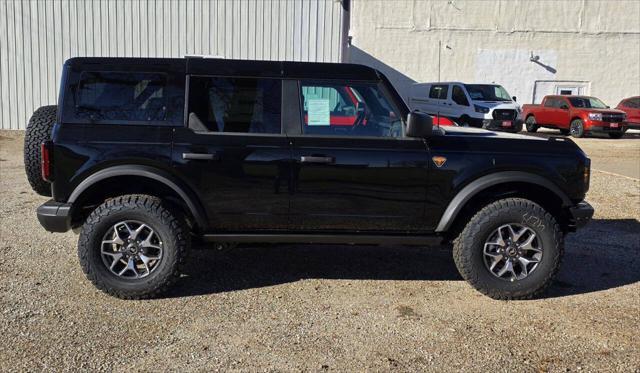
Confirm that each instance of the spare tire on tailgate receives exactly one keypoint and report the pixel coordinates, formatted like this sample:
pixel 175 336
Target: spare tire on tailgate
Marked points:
pixel 38 131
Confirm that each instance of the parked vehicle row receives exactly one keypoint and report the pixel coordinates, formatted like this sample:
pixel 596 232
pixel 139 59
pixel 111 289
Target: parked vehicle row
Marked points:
pixel 489 106
pixel 142 156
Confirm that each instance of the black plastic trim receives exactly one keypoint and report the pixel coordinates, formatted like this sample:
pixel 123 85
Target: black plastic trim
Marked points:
pixel 478 185
pixel 145 171
pixel 362 239
pixel 581 214
pixel 55 216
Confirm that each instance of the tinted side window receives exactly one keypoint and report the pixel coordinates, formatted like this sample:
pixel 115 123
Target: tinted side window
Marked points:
pixel 249 105
pixel 439 92
pixel 121 96
pixel 458 96
pixel 360 109
pixel 550 102
pixel 633 103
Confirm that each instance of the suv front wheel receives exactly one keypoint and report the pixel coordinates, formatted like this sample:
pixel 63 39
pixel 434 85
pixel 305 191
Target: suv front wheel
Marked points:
pixel 511 249
pixel 132 246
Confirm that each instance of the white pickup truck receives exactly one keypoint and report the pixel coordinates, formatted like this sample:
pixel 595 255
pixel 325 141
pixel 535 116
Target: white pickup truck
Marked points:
pixel 477 105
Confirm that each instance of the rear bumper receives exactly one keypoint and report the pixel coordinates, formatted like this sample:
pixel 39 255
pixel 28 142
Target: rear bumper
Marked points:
pixel 581 214
pixel 55 216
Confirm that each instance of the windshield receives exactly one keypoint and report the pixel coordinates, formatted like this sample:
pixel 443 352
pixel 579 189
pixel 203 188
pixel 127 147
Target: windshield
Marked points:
pixel 487 92
pixel 587 102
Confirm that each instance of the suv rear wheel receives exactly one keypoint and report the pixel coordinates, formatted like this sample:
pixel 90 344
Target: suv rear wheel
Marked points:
pixel 511 249
pixel 132 246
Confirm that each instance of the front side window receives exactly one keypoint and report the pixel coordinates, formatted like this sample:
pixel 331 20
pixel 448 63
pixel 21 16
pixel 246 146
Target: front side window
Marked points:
pixel 121 96
pixel 458 96
pixel 439 92
pixel 587 102
pixel 247 105
pixel 361 109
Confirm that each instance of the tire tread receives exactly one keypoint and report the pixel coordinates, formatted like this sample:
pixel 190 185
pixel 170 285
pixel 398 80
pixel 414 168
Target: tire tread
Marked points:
pixel 472 229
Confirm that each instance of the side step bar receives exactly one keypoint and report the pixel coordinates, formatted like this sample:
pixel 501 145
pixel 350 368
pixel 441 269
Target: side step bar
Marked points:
pixel 325 239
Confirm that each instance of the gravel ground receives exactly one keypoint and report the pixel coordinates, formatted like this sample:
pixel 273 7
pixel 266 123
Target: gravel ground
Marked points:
pixel 320 308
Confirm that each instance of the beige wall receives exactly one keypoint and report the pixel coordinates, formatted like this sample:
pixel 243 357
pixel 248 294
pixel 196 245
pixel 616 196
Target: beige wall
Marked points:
pixel 596 42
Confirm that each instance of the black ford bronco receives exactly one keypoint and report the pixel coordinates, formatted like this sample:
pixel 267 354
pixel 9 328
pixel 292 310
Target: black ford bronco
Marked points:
pixel 143 156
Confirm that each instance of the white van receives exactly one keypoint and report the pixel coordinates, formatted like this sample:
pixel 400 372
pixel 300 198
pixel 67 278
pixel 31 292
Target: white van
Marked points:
pixel 478 105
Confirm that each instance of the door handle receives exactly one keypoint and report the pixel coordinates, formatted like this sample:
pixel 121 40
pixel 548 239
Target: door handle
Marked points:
pixel 201 156
pixel 316 159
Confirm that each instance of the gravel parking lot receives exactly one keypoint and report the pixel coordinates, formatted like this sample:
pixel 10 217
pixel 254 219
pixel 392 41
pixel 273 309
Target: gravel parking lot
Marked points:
pixel 319 308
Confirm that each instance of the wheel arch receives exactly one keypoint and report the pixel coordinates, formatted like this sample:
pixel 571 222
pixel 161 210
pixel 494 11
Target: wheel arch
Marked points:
pixel 139 179
pixel 492 187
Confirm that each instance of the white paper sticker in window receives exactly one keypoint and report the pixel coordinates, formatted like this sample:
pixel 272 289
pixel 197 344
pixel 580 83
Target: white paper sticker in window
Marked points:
pixel 318 112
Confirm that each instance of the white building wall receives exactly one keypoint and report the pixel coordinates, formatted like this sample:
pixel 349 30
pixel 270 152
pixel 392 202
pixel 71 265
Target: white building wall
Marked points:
pixel 592 42
pixel 37 36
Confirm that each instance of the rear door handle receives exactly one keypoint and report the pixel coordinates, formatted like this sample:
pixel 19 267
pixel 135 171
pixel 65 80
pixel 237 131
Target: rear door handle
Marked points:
pixel 316 159
pixel 201 156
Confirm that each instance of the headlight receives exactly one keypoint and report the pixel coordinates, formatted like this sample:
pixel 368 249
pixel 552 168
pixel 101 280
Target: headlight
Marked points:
pixel 595 116
pixel 481 109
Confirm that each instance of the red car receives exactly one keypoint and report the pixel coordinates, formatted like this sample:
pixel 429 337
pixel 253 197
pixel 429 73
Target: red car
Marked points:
pixel 575 115
pixel 631 106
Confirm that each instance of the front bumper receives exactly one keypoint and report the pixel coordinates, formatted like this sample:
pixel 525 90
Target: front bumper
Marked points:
pixel 631 125
pixel 55 216
pixel 606 127
pixel 581 214
pixel 502 125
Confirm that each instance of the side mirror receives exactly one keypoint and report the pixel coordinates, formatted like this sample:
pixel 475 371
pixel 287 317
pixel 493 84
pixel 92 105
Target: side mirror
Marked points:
pixel 564 107
pixel 514 98
pixel 419 124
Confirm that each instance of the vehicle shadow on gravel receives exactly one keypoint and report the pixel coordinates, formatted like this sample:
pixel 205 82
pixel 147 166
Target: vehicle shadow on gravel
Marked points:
pixel 257 266
pixel 604 255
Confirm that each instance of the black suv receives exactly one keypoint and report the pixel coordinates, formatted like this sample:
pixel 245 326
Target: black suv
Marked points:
pixel 143 156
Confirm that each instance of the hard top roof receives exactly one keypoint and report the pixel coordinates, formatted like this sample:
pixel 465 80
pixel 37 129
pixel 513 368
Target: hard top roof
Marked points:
pixel 221 66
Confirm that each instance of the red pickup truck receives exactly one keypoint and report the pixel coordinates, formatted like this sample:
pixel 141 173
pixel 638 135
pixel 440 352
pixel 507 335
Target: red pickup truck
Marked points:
pixel 575 115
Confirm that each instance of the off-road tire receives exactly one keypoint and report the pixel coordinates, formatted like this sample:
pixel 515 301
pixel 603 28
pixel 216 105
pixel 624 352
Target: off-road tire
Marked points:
pixel 531 124
pixel 576 128
pixel 468 248
pixel 151 211
pixel 616 135
pixel 38 131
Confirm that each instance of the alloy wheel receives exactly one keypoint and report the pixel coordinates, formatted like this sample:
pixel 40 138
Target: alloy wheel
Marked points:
pixel 512 252
pixel 131 249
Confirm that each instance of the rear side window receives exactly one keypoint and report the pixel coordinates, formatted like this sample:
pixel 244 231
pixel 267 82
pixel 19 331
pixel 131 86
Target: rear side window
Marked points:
pixel 439 92
pixel 550 102
pixel 246 105
pixel 121 96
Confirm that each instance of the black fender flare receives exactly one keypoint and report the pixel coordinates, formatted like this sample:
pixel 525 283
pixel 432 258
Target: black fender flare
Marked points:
pixel 153 173
pixel 484 182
